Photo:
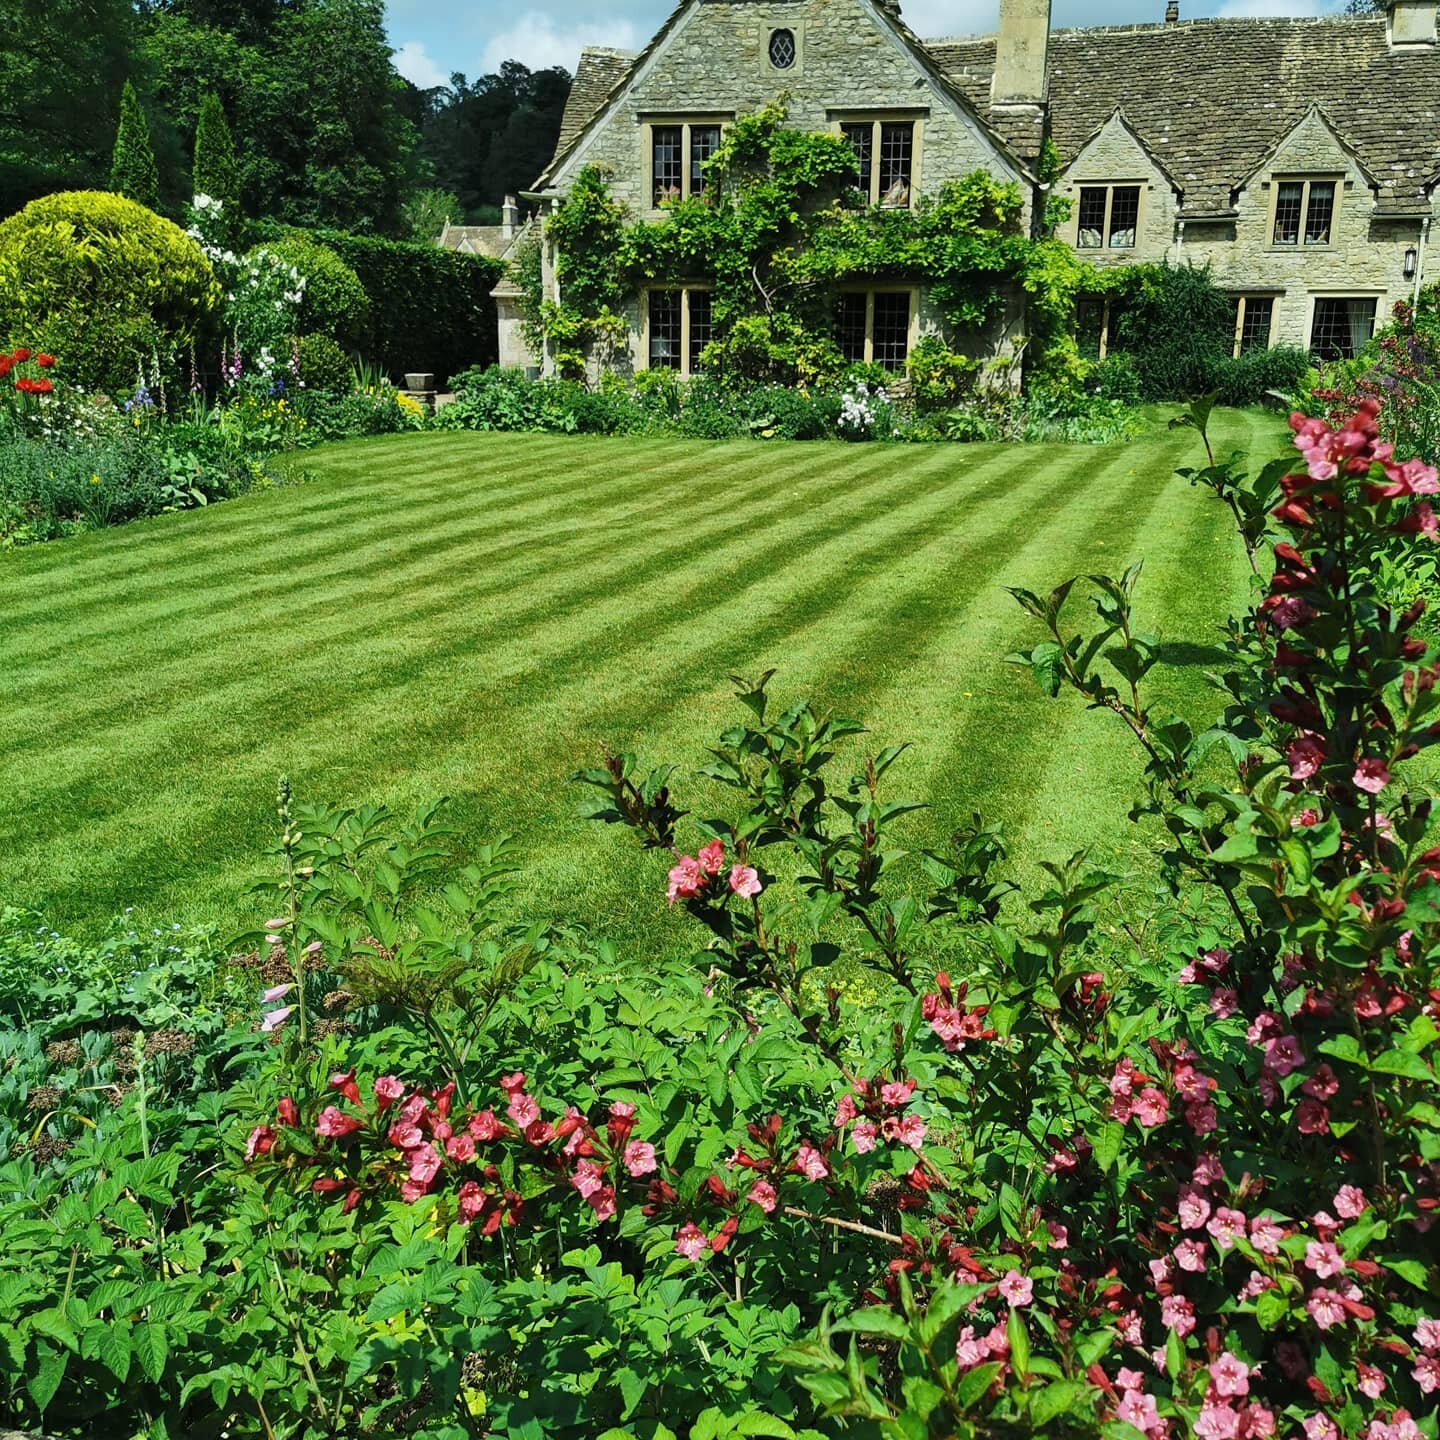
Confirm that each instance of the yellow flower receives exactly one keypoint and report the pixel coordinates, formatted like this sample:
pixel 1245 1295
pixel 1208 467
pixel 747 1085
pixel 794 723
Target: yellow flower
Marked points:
pixel 94 479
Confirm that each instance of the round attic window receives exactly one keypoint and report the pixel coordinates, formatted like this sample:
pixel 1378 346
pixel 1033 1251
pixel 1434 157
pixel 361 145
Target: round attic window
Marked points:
pixel 782 49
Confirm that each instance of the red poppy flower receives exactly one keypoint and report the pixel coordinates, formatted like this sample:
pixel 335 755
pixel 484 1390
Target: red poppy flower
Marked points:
pixel 22 355
pixel 44 361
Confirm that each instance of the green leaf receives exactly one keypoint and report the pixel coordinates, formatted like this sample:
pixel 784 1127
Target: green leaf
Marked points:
pixel 1055 1399
pixel 46 1380
pixel 151 1349
pixel 1411 1271
pixel 1107 1143
pixel 116 1350
pixel 973 1385
pixel 1019 1339
pixel 875 1321
pixel 1404 1064
pixel 1271 1309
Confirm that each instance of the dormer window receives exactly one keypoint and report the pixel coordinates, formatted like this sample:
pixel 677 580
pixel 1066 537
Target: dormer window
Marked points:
pixel 1304 212
pixel 782 49
pixel 1108 217
pixel 679 150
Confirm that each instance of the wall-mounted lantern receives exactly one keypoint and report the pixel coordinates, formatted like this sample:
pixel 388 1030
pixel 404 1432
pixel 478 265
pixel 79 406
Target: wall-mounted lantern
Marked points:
pixel 1412 262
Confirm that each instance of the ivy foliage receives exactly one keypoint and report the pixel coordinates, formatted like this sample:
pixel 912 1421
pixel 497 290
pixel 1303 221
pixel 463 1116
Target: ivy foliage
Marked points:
pixel 779 229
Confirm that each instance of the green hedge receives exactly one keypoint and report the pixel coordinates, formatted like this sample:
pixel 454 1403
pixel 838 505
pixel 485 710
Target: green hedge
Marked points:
pixel 430 309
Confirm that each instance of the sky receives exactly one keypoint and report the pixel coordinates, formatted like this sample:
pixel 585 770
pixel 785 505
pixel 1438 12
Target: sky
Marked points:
pixel 434 38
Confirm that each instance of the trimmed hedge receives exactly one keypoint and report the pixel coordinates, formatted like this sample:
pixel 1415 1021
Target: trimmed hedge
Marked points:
pixel 430 309
pixel 336 303
pixel 103 283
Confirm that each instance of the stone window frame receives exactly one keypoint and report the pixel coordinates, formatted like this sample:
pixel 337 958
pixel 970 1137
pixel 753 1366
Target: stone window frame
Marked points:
pixel 1242 299
pixel 1337 178
pixel 796 28
pixel 1346 293
pixel 1110 187
pixel 684 122
pixel 870 290
pixel 685 288
pixel 888 116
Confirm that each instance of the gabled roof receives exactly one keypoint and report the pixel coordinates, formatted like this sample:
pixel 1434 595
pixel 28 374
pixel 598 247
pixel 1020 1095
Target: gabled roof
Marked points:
pixel 1118 114
pixel 1211 99
pixel 603 75
pixel 489 240
pixel 1315 112
pixel 598 73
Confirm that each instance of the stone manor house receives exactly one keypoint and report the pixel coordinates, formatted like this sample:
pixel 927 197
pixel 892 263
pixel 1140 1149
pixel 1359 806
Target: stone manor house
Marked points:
pixel 1299 159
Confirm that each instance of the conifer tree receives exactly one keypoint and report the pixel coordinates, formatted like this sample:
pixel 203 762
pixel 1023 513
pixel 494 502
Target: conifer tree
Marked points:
pixel 215 172
pixel 133 172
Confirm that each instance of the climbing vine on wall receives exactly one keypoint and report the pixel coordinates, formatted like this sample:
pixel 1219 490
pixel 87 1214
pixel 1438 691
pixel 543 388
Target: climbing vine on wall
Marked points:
pixel 779 229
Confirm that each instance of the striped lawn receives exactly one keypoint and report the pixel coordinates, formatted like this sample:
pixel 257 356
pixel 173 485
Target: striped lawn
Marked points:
pixel 474 615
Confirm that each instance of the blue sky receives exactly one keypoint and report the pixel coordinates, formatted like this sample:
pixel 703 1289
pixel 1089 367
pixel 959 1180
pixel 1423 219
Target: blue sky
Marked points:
pixel 432 38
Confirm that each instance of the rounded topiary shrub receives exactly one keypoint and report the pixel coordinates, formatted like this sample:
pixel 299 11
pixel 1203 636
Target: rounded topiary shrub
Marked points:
pixel 335 303
pixel 102 282
pixel 323 365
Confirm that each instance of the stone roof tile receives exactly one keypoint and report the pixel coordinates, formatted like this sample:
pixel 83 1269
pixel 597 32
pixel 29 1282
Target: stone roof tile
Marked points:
pixel 1212 98
pixel 598 73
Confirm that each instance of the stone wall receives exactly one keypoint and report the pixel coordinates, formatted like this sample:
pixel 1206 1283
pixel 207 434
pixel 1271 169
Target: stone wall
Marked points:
pixel 1116 157
pixel 715 63
pixel 1366 255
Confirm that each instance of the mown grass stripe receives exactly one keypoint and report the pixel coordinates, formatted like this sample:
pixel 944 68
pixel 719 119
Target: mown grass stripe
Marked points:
pixel 318 543
pixel 801 609
pixel 566 595
pixel 350 574
pixel 582 599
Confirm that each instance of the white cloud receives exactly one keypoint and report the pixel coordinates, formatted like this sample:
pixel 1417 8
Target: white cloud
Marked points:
pixel 537 40
pixel 413 61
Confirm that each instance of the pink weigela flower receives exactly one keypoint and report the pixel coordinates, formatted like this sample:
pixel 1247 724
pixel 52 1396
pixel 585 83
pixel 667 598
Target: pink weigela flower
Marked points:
pixel 762 1193
pixel 640 1158
pixel 712 857
pixel 334 1124
pixel 1230 1376
pixel 810 1162
pixel 1372 776
pixel 691 1241
pixel 745 881
pixel 1324 1259
pixel 388 1089
pixel 1190 1255
pixel 1325 1308
pixel 686 880
pixel 1226 1227
pixel 1177 1314
pixel 1017 1289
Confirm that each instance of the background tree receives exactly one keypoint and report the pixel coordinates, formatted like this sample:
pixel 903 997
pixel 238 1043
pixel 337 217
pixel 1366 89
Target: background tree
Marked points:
pixel 61 68
pixel 133 172
pixel 493 137
pixel 426 212
pixel 214 172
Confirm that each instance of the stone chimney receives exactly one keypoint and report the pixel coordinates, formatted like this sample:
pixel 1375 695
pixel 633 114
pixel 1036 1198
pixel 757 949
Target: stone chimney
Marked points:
pixel 1172 13
pixel 1022 51
pixel 1412 24
pixel 510 217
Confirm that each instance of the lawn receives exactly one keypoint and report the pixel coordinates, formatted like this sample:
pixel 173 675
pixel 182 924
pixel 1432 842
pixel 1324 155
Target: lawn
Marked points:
pixel 474 615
